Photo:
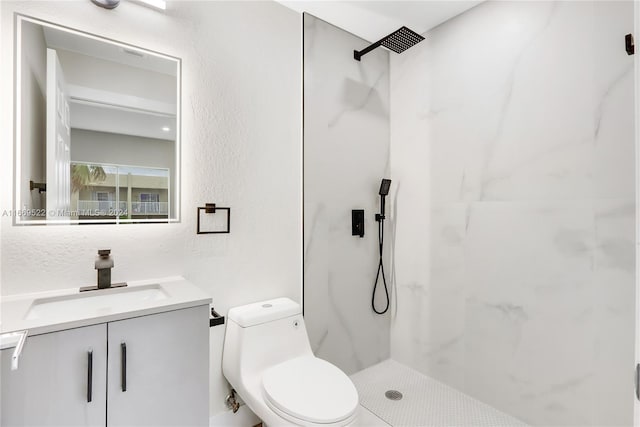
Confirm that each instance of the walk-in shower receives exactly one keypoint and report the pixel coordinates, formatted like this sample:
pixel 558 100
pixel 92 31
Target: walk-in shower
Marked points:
pixel 510 247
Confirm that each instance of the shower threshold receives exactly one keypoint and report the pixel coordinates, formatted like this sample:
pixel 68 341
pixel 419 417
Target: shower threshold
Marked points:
pixel 392 394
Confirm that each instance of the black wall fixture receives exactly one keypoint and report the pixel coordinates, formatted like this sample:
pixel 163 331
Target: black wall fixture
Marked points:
pixel 211 208
pixel 106 4
pixel 216 318
pixel 40 186
pixel 398 41
pixel 629 44
pixel 357 222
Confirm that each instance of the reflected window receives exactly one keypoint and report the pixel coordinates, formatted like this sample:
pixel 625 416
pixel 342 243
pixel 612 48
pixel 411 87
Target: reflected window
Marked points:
pixel 102 191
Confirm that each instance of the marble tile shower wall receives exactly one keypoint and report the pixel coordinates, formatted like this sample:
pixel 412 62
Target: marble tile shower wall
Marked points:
pixel 346 153
pixel 512 147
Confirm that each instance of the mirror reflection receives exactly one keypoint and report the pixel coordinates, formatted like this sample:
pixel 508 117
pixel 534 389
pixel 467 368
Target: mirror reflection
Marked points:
pixel 97 128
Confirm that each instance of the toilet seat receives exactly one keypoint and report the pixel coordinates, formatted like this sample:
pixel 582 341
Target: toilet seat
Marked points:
pixel 310 390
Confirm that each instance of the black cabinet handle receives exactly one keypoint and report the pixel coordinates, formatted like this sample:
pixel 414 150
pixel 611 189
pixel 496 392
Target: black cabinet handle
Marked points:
pixel 89 375
pixel 123 365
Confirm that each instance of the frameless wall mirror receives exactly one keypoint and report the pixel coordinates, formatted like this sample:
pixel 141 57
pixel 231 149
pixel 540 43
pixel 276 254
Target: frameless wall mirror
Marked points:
pixel 97 129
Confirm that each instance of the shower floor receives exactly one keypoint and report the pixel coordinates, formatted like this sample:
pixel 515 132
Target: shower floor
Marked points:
pixel 425 401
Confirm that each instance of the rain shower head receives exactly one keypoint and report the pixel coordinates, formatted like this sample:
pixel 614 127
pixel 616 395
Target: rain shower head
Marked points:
pixel 384 187
pixel 398 41
pixel 401 40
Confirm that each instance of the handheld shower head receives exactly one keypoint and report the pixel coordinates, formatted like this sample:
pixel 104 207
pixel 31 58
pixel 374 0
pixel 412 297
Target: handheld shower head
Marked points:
pixel 384 187
pixel 384 191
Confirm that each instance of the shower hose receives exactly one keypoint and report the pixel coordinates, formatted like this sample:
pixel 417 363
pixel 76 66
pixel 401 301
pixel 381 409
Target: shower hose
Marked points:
pixel 380 269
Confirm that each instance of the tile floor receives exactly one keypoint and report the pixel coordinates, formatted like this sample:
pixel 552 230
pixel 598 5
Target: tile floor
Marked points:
pixel 425 401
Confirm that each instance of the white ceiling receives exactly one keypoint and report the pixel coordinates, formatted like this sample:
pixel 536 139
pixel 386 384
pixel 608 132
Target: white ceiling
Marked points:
pixel 110 51
pixel 118 120
pixel 97 109
pixel 372 20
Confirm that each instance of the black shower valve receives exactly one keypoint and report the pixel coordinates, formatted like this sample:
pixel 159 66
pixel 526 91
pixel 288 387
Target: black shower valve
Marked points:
pixel 357 222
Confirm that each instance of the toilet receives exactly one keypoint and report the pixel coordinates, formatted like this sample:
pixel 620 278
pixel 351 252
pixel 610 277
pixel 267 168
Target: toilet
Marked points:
pixel 268 360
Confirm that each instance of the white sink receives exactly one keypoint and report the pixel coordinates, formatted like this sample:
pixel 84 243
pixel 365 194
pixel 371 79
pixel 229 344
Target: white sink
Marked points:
pixel 94 303
pixel 51 311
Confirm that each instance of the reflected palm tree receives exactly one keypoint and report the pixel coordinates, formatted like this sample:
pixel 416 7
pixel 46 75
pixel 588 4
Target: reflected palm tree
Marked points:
pixel 83 176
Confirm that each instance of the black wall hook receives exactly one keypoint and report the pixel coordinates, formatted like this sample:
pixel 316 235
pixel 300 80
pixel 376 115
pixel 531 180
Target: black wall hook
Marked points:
pixel 40 186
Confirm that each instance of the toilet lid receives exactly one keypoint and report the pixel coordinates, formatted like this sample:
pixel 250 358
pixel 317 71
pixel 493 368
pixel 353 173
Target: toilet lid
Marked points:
pixel 310 389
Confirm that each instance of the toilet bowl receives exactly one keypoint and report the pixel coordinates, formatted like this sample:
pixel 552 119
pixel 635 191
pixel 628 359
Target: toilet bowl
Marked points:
pixel 267 359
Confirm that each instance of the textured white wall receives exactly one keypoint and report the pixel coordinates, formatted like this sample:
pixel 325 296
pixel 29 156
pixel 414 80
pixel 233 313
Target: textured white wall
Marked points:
pixel 512 145
pixel 241 141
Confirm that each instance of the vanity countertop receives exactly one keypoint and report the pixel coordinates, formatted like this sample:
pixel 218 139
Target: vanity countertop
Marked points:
pixel 52 311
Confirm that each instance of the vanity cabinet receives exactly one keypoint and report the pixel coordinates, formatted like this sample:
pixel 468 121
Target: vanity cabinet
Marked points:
pixel 150 370
pixel 162 362
pixel 50 386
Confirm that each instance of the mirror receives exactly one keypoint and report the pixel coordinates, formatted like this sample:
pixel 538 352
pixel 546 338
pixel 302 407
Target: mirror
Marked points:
pixel 97 129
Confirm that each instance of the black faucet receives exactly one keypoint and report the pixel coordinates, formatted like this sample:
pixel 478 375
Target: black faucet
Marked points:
pixel 104 264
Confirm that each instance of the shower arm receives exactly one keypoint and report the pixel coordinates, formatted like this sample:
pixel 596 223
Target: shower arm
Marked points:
pixel 359 54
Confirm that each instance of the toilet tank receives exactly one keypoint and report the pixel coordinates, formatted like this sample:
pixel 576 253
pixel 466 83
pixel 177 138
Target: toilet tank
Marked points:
pixel 261 335
pixel 262 312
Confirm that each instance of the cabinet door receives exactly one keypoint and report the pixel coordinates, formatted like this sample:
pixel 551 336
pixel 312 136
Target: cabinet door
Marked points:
pixel 158 373
pixel 51 385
